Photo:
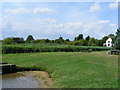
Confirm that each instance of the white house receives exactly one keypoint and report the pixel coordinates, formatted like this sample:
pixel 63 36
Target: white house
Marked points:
pixel 108 42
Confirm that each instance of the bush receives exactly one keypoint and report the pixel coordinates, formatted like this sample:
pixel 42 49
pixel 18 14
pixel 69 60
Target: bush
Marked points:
pixel 117 44
pixel 81 42
pixel 28 48
pixel 8 41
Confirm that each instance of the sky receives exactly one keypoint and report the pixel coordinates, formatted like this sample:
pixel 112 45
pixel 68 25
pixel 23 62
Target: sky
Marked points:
pixel 50 20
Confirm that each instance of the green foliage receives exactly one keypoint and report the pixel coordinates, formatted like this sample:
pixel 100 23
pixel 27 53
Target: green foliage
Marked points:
pixel 80 36
pixel 104 39
pixel 18 40
pixel 28 48
pixel 118 33
pixel 8 41
pixel 52 41
pixel 113 39
pixel 87 38
pixel 67 40
pixel 92 42
pixel 41 41
pixel 29 38
pixel 36 41
pixel 47 40
pixel 81 42
pixel 75 39
pixel 60 40
pixel 117 42
pixel 99 43
pixel 111 35
pixel 70 43
pixel 13 40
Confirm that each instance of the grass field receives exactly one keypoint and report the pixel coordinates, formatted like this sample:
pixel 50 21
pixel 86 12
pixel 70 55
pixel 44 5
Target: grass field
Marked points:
pixel 72 69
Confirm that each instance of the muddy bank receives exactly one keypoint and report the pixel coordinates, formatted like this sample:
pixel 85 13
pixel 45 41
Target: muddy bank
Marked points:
pixel 40 76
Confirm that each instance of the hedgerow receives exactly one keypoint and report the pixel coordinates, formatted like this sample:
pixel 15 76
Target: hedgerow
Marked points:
pixel 22 48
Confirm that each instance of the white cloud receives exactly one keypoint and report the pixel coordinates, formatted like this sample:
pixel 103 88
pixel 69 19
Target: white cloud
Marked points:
pixel 114 5
pixel 28 11
pixel 95 7
pixel 103 21
pixel 42 11
pixel 51 20
pixel 51 28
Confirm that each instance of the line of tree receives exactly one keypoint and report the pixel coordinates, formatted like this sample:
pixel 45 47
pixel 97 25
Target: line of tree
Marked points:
pixel 78 40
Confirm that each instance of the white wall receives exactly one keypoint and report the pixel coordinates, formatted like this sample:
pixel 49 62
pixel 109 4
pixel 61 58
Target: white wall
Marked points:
pixel 109 42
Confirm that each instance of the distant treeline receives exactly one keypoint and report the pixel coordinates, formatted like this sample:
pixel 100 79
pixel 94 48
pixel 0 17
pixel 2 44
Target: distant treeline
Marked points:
pixel 79 40
pixel 79 44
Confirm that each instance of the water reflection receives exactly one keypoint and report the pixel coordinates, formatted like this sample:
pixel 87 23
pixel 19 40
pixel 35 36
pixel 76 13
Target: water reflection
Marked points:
pixel 17 80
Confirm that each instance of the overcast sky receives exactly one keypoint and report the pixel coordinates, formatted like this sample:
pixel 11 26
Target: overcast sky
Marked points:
pixel 50 19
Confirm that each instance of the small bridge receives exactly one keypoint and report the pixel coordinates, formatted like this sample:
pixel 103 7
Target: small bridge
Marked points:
pixel 7 68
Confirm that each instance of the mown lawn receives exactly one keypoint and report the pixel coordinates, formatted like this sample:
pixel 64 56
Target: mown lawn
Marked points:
pixel 72 69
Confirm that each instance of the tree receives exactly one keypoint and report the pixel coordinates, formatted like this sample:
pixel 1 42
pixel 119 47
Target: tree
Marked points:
pixel 8 41
pixel 13 40
pixel 118 33
pixel 75 43
pixel 117 41
pixel 29 38
pixel 43 41
pixel 99 43
pixel 52 41
pixel 75 39
pixel 47 40
pixel 111 35
pixel 67 40
pixel 81 42
pixel 92 41
pixel 87 38
pixel 104 39
pixel 18 40
pixel 60 40
pixel 80 36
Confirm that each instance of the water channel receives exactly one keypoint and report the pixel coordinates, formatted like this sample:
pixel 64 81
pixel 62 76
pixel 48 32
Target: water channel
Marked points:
pixel 18 80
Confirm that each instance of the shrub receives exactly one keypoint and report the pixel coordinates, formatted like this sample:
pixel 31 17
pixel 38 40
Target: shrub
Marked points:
pixel 28 48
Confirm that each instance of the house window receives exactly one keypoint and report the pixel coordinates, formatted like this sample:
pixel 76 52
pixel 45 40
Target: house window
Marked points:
pixel 108 41
pixel 108 44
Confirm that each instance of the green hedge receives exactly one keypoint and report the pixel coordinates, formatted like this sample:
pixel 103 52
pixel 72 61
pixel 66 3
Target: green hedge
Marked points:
pixel 28 49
